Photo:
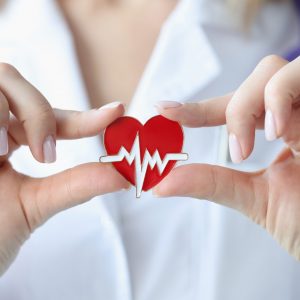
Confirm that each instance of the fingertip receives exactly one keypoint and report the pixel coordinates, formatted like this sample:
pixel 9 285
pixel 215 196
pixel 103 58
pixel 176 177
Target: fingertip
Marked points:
pixel 169 186
pixel 79 124
pixel 160 193
pixel 41 139
pixel 156 193
pixel 241 136
pixel 113 181
pixel 281 121
pixel 127 187
pixel 270 126
pixel 167 104
pixel 247 147
pixel 169 109
pixel 111 105
pixel 111 111
pixel 49 150
pixel 280 94
pixel 172 110
pixel 235 149
pixel 3 141
pixel 44 151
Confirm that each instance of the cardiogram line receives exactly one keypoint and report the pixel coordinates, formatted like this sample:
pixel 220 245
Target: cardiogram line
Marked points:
pixel 148 160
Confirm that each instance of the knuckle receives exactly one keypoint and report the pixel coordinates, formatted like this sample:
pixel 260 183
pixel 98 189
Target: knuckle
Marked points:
pixel 277 90
pixel 30 205
pixel 273 90
pixel 44 113
pixel 239 114
pixel 7 70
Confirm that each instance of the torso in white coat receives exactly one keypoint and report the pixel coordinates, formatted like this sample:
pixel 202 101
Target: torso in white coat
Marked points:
pixel 117 247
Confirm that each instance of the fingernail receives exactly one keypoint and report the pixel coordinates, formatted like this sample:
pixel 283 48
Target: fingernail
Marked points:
pixel 168 104
pixel 126 189
pixel 3 141
pixel 270 126
pixel 154 193
pixel 110 105
pixel 235 149
pixel 49 150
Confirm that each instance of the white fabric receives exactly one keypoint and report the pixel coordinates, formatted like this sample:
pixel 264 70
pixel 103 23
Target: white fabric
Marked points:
pixel 116 247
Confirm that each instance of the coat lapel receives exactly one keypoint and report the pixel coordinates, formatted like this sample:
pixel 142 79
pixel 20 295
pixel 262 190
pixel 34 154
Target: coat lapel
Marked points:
pixel 46 56
pixel 182 63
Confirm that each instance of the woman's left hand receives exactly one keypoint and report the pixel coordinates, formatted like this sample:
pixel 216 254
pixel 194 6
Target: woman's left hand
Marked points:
pixel 269 98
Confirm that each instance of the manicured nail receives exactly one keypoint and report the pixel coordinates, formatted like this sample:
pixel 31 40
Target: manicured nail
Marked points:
pixel 155 194
pixel 3 141
pixel 270 126
pixel 49 150
pixel 235 149
pixel 110 105
pixel 168 104
pixel 126 189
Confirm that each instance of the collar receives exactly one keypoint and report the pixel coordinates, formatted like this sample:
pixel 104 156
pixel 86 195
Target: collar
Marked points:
pixel 182 62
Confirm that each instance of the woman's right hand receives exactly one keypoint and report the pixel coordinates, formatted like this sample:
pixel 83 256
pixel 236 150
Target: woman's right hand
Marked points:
pixel 26 118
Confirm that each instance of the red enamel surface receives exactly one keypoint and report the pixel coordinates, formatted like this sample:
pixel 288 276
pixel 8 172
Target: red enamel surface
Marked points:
pixel 158 133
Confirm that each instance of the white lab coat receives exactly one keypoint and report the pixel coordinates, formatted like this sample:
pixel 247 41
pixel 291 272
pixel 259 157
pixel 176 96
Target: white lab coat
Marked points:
pixel 117 247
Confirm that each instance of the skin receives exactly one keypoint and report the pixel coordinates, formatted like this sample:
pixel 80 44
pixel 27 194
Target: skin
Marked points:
pixel 112 59
pixel 269 197
pixel 26 202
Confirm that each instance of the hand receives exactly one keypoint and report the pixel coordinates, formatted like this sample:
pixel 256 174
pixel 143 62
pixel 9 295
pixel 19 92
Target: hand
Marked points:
pixel 269 98
pixel 25 202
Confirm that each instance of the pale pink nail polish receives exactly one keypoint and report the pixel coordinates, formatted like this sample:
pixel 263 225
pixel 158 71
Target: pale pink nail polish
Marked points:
pixel 270 126
pixel 235 149
pixel 126 189
pixel 155 194
pixel 3 141
pixel 110 105
pixel 168 104
pixel 49 150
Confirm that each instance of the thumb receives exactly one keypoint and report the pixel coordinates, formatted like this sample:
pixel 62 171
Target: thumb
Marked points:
pixel 231 188
pixel 42 198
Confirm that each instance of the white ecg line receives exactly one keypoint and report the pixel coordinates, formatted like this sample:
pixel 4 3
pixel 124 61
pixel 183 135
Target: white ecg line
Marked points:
pixel 148 160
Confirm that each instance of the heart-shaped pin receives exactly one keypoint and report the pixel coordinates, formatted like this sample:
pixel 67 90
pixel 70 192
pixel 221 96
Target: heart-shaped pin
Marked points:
pixel 143 154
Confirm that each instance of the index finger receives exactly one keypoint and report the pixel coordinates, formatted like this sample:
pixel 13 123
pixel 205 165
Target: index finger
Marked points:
pixel 210 112
pixel 75 124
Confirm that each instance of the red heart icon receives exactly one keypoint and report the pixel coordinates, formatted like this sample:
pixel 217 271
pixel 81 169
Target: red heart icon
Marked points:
pixel 143 154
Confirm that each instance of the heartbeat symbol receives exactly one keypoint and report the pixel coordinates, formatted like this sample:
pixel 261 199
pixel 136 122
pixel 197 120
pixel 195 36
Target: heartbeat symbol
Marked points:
pixel 141 167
